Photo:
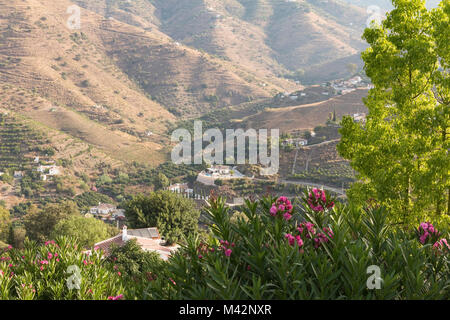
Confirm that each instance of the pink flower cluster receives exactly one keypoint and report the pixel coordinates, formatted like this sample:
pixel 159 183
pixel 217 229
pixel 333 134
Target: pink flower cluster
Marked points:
pixel 226 247
pixel 282 207
pixel 119 297
pixel 308 227
pixel 294 239
pixel 308 231
pixel 441 245
pixel 427 231
pixel 323 237
pixel 318 202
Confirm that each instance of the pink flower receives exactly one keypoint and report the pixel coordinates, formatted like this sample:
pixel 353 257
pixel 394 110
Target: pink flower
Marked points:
pixel 299 240
pixel 200 256
pixel 119 273
pixel 282 206
pixel 44 262
pixel 273 210
pixel 287 216
pixel 318 201
pixel 290 238
pixel 228 252
pixel 174 283
pixel 50 256
pixel 424 237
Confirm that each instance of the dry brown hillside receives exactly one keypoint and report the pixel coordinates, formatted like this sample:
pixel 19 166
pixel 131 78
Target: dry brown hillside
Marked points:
pixel 270 38
pixel 307 116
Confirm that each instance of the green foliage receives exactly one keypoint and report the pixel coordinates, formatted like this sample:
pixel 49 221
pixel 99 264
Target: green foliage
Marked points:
pixel 104 179
pixel 41 273
pixel 5 222
pixel 174 215
pixel 87 231
pixel 401 153
pixel 41 223
pixel 161 181
pixel 263 265
pixel 137 267
pixel 17 236
pixel 89 199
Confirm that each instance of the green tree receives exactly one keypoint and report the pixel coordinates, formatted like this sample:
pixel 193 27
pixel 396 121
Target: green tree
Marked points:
pixel 173 215
pixel 161 181
pixel 131 259
pixel 87 231
pixel 401 152
pixel 41 223
pixel 17 236
pixel 5 222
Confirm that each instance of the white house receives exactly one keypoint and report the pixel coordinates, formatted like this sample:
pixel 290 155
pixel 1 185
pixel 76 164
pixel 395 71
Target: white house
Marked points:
pixel 219 170
pixel 359 117
pixel 148 239
pixel 180 188
pixel 103 208
pixel 295 142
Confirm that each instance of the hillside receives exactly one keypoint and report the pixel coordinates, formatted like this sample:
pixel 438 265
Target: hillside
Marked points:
pixel 271 38
pixel 307 116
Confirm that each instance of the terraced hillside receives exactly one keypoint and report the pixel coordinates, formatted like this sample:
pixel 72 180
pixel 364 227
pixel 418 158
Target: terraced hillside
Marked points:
pixel 307 116
pixel 19 144
pixel 317 164
pixel 270 38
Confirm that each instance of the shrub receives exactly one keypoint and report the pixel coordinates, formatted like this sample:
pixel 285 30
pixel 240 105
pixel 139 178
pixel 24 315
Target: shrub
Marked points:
pixel 304 253
pixel 174 215
pixel 44 273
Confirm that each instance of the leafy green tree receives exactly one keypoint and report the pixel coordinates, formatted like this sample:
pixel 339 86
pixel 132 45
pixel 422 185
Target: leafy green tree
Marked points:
pixel 41 223
pixel 401 152
pixel 131 259
pixel 5 222
pixel 6 177
pixel 87 231
pixel 103 180
pixel 173 215
pixel 17 236
pixel 161 181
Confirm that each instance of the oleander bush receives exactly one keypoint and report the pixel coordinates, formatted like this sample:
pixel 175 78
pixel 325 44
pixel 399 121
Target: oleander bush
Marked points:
pixel 315 249
pixel 311 248
pixel 56 270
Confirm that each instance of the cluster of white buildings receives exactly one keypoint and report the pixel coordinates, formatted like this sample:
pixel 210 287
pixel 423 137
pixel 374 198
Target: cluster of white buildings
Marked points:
pixel 218 172
pixel 296 142
pixel 108 213
pixel 347 86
